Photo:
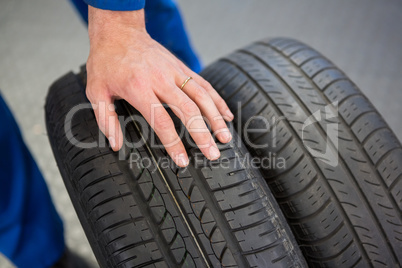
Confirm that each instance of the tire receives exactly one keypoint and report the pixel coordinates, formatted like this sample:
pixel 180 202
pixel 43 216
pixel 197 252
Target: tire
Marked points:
pixel 139 212
pixel 340 187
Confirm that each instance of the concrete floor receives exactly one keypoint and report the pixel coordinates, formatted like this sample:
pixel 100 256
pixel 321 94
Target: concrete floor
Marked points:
pixel 43 39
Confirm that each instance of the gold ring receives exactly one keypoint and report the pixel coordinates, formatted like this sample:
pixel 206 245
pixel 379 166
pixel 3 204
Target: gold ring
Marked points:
pixel 185 82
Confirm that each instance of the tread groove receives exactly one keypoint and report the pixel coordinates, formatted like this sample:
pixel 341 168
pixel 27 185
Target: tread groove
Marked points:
pixel 365 154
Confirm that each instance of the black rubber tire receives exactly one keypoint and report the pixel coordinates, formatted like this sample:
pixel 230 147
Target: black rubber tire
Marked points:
pixel 206 215
pixel 343 215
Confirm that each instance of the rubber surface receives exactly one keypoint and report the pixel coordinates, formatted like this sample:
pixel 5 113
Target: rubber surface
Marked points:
pixel 139 212
pixel 340 188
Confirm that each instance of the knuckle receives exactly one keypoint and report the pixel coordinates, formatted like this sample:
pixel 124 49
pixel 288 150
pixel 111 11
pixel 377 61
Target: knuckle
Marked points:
pixel 138 84
pixel 219 121
pixel 162 122
pixel 205 84
pixel 208 85
pixel 201 95
pixel 190 108
pixel 204 138
pixel 220 103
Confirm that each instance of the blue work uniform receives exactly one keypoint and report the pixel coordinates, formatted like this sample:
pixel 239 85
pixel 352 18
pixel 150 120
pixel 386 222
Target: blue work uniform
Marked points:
pixel 31 231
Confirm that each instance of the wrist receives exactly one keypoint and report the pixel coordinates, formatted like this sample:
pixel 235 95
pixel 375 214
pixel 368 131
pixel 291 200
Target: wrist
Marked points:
pixel 106 23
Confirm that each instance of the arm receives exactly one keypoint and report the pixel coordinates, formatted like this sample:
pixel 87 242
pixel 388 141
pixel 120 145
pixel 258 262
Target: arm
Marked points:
pixel 126 63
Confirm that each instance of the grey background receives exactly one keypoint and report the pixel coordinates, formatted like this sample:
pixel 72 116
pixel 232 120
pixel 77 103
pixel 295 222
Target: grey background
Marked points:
pixel 43 39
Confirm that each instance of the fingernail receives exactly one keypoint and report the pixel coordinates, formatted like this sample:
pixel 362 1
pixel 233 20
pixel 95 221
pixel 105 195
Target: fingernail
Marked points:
pixel 214 153
pixel 226 135
pixel 182 160
pixel 112 142
pixel 229 114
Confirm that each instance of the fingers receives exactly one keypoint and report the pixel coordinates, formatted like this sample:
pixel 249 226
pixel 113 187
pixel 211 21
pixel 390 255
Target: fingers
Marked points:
pixel 106 117
pixel 189 113
pixel 219 102
pixel 204 101
pixel 158 118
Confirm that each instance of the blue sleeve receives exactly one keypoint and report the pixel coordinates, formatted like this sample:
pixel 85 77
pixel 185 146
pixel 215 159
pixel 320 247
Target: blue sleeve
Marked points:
pixel 117 5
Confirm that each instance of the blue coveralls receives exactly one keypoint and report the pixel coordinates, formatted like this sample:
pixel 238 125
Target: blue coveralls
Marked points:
pixel 31 231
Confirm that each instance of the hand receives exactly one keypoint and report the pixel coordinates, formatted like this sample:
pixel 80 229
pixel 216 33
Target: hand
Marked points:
pixel 126 63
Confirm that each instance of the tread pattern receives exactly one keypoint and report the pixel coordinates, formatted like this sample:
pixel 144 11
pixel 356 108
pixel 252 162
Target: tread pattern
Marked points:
pixel 115 213
pixel 344 215
pixel 142 214
pixel 238 193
